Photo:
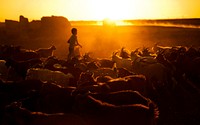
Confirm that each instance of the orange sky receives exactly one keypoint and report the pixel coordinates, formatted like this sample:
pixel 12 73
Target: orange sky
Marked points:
pixel 99 9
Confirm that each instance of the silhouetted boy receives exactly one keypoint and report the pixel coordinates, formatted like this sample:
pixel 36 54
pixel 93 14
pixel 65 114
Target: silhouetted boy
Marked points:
pixel 73 42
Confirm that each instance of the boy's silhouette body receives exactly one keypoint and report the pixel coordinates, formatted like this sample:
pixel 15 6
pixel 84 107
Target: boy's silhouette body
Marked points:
pixel 73 42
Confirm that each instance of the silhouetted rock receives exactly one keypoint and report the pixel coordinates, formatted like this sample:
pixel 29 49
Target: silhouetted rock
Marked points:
pixel 12 29
pixel 23 24
pixel 55 26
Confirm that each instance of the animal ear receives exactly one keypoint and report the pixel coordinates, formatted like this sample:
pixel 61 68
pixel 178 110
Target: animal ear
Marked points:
pixel 136 50
pixel 157 43
pixel 114 67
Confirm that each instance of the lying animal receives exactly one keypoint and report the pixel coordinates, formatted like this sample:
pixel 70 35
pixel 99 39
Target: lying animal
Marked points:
pixel 109 114
pixel 15 115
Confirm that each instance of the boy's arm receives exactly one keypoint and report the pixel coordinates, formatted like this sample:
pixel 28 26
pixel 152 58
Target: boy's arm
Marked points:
pixel 78 43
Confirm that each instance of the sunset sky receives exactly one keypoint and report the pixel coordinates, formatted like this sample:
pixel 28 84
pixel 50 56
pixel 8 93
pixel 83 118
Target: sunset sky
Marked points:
pixel 99 9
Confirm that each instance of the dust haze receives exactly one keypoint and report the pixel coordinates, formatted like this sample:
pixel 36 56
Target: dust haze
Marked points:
pixel 102 41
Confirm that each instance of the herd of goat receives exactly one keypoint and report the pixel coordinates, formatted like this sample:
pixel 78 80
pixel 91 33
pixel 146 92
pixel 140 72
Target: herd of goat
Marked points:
pixel 157 86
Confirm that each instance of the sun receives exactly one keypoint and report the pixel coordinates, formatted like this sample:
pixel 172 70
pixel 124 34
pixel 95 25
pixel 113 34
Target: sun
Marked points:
pixel 110 9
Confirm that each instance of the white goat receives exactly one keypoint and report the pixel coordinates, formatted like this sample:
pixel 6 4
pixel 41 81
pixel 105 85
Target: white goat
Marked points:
pixel 155 72
pixel 46 75
pixel 145 59
pixel 46 52
pixel 121 62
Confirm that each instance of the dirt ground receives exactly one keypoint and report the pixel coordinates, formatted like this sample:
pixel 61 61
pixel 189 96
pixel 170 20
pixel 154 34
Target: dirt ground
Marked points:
pixel 102 41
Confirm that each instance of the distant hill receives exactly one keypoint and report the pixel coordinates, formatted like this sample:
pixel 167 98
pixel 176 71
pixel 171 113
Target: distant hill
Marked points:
pixel 188 21
pixel 184 21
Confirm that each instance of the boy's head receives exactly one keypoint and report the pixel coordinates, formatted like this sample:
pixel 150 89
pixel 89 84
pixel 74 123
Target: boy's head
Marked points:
pixel 74 31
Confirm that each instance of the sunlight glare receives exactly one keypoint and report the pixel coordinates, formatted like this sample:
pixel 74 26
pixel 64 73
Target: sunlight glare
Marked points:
pixel 114 10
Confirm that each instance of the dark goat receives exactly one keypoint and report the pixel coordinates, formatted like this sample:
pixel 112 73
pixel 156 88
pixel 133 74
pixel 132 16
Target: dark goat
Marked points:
pixel 124 97
pixel 21 67
pixel 15 115
pixel 110 114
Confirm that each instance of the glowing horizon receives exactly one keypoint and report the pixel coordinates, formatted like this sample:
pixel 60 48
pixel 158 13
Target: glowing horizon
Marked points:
pixel 98 10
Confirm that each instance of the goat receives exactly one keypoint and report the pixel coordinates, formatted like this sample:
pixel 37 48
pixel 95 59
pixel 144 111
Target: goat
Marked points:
pixel 57 77
pixel 122 62
pixel 19 68
pixel 15 114
pixel 111 114
pixel 3 69
pixel 46 52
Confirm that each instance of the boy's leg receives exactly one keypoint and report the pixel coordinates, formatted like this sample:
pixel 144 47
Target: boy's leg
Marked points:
pixel 71 53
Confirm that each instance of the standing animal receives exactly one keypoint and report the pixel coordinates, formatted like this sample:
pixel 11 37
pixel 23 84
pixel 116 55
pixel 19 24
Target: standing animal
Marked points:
pixel 3 70
pixel 105 63
pixel 131 82
pixel 19 68
pixel 156 73
pixel 57 77
pixel 122 62
pixel 46 52
pixel 124 53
